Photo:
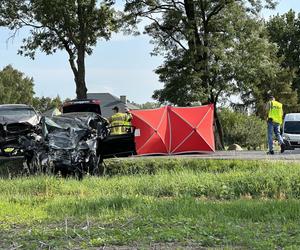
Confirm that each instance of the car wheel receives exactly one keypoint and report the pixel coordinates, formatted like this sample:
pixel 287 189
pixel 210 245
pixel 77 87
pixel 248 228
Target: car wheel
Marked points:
pixel 78 172
pixel 100 166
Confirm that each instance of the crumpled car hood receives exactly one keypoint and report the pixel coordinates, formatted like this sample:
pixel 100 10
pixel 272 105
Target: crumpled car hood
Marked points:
pixel 68 130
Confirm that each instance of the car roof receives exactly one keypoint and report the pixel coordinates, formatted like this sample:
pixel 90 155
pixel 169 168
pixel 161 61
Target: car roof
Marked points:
pixel 82 101
pixel 292 117
pixel 4 106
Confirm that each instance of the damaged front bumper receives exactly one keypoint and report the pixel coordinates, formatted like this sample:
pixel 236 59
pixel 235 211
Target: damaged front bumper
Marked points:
pixel 9 138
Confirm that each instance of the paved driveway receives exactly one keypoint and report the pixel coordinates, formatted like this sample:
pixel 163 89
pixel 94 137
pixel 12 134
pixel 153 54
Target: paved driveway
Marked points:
pixel 254 155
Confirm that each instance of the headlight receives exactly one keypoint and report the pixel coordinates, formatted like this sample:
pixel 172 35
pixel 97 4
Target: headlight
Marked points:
pixel 285 137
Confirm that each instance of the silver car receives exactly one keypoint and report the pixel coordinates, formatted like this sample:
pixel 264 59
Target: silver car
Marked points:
pixel 15 120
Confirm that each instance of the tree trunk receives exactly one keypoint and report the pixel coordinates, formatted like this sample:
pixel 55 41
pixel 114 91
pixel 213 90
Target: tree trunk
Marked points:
pixel 218 130
pixel 81 89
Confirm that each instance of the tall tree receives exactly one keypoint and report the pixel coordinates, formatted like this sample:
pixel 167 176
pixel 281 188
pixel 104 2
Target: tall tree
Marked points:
pixel 15 87
pixel 199 40
pixel 284 30
pixel 258 69
pixel 70 25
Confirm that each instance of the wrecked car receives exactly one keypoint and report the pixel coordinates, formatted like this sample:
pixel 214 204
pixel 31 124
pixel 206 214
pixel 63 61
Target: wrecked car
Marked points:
pixel 111 145
pixel 15 120
pixel 75 142
pixel 66 144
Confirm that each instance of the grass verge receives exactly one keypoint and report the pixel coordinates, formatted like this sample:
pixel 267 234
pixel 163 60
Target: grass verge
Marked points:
pixel 204 204
pixel 131 221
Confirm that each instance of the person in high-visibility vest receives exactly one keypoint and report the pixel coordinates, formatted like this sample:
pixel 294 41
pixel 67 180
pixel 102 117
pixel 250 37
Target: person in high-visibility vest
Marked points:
pixel 275 115
pixel 118 121
pixel 128 120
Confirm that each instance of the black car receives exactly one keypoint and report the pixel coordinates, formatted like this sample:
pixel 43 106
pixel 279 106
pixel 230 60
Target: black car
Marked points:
pixel 15 120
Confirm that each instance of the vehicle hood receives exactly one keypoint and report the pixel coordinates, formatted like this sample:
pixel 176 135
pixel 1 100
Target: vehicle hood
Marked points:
pixel 67 131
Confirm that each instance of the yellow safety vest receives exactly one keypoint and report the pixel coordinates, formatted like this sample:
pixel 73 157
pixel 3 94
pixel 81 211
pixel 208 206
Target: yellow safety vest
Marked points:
pixel 118 121
pixel 275 112
pixel 128 120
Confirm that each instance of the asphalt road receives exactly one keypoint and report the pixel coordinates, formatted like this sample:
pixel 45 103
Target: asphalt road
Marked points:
pixel 290 155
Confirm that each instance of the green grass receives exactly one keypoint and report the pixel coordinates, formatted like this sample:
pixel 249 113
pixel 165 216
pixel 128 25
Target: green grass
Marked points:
pixel 274 181
pixel 210 204
pixel 140 220
pixel 151 166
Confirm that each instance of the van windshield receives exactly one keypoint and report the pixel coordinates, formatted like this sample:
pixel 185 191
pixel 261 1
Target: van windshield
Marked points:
pixel 292 127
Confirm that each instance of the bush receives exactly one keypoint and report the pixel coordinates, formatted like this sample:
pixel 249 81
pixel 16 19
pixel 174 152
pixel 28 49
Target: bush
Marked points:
pixel 239 128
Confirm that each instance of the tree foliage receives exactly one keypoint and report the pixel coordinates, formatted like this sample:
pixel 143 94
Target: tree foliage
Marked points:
pixel 15 87
pixel 43 103
pixel 149 105
pixel 247 131
pixel 203 43
pixel 199 41
pixel 284 30
pixel 259 72
pixel 70 25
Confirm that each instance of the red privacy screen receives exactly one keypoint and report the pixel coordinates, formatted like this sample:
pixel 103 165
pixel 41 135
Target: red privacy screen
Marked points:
pixel 174 130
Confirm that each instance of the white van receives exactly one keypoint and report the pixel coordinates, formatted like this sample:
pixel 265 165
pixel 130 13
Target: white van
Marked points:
pixel 291 130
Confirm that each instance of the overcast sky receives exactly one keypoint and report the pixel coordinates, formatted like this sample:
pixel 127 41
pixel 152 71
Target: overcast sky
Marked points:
pixel 121 66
